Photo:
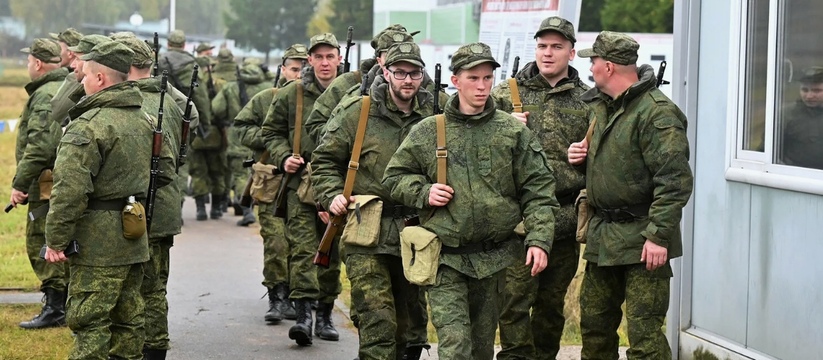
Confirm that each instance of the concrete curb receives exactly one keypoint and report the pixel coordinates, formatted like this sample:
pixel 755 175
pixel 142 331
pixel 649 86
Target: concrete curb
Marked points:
pixel 21 298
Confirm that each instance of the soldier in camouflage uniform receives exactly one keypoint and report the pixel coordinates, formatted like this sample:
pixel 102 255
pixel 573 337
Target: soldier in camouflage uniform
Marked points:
pixel 225 106
pixel 247 127
pixel 225 70
pixel 37 139
pixel 803 123
pixel 550 92
pixel 638 180
pixel 71 90
pixel 304 226
pixel 497 176
pixel 204 53
pixel 94 176
pixel 67 38
pixel 380 292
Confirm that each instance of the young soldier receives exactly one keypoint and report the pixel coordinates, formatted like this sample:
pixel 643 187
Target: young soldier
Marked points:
pixel 37 140
pixel 304 226
pixel 549 90
pixel 67 38
pixel 638 179
pixel 494 162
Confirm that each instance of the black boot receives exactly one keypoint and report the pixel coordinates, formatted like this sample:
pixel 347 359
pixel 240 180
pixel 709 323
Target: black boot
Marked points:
pixel 53 312
pixel 200 202
pixel 413 352
pixel 323 327
pixel 152 354
pixel 301 331
pixel 289 313
pixel 248 217
pixel 275 313
pixel 224 203
pixel 216 206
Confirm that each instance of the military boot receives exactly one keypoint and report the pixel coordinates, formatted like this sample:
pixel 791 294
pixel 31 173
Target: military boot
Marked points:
pixel 248 217
pixel 53 312
pixel 275 313
pixel 289 313
pixel 216 206
pixel 154 354
pixel 413 351
pixel 301 331
pixel 200 203
pixel 323 327
pixel 224 203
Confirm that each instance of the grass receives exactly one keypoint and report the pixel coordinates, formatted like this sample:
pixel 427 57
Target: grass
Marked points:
pixel 14 77
pixel 20 344
pixel 14 98
pixel 17 272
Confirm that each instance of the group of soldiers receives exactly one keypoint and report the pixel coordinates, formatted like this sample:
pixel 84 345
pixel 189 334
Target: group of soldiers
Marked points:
pixel 331 144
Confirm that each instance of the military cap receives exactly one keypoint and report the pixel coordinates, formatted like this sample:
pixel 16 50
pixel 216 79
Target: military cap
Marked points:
pixel 69 36
pixel 225 55
pixel 812 75
pixel 558 24
pixel 88 42
pixel 404 52
pixel 111 54
pixel 612 46
pixel 143 54
pixel 203 46
pixel 471 55
pixel 326 38
pixel 395 27
pixel 296 51
pixel 177 38
pixel 388 38
pixel 46 50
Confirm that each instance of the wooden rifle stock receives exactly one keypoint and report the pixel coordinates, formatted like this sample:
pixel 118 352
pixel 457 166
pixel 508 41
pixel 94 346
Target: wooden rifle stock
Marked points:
pixel 323 255
pixel 156 146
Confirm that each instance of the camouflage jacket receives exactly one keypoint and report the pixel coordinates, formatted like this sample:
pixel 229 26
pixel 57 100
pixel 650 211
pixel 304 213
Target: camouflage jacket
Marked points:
pixel 558 117
pixel 166 219
pixel 248 124
pixel 803 136
pixel 37 134
pixel 500 176
pixel 387 127
pixel 638 156
pixel 226 105
pixel 315 124
pixel 223 73
pixel 67 96
pixel 97 160
pixel 278 128
pixel 183 65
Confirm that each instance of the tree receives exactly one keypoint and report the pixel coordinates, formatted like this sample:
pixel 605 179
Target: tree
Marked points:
pixel 202 16
pixel 590 16
pixel 356 13
pixel 319 23
pixel 644 16
pixel 267 25
pixel 63 14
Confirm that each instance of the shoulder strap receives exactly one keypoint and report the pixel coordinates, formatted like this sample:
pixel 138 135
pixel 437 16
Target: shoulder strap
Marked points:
pixel 298 122
pixel 354 164
pixel 515 93
pixel 590 131
pixel 441 153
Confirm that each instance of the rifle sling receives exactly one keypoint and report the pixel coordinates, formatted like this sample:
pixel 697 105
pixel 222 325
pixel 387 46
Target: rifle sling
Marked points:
pixel 590 131
pixel 298 122
pixel 515 93
pixel 441 152
pixel 354 164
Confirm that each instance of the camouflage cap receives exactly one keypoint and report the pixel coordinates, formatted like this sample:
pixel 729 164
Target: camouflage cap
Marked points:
pixel 612 46
pixel 812 75
pixel 46 50
pixel 327 39
pixel 395 27
pixel 225 55
pixel 388 38
pixel 558 24
pixel 111 54
pixel 143 53
pixel 203 46
pixel 404 52
pixel 177 38
pixel 121 34
pixel 69 36
pixel 471 55
pixel 296 51
pixel 88 42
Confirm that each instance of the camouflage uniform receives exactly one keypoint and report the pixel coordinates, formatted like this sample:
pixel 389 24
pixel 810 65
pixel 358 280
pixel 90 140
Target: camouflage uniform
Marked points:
pixel 493 163
pixel 380 292
pixel 225 70
pixel 638 157
pixel 534 305
pixel 71 90
pixel 66 38
pixel 36 149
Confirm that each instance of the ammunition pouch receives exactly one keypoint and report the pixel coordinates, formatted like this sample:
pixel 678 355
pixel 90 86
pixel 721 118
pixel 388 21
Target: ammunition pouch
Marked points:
pixel 305 192
pixel 265 181
pixel 363 221
pixel 420 253
pixel 46 182
pixel 584 215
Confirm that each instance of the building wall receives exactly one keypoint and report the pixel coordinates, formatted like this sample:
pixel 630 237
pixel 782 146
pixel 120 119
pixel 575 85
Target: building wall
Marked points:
pixel 444 25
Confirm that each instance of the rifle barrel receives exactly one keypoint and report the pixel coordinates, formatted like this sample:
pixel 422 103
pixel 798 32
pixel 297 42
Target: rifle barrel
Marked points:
pixel 349 43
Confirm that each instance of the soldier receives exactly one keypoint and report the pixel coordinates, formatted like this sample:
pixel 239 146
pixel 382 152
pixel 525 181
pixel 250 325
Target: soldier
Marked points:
pixel 303 221
pixel 225 106
pixel 380 292
pixel 94 177
pixel 549 90
pixel 37 139
pixel 638 180
pixel 803 123
pixel 67 38
pixel 225 70
pixel 494 162
pixel 204 52
pixel 71 90
pixel 248 127
pixel 207 163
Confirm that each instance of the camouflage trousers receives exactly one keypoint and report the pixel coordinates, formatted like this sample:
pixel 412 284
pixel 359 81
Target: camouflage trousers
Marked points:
pixel 646 294
pixel 183 179
pixel 531 320
pixel 105 310
pixel 465 312
pixel 275 247
pixel 303 232
pixel 380 294
pixel 155 281
pixel 51 275
pixel 236 176
pixel 208 171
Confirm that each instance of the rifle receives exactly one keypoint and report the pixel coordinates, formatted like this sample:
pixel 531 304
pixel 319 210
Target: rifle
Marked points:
pixel 517 104
pixel 323 255
pixel 660 71
pixel 241 86
pixel 210 84
pixel 156 146
pixel 184 137
pixel 10 206
pixel 277 77
pixel 156 68
pixel 437 87
pixel 246 199
pixel 516 65
pixel 349 43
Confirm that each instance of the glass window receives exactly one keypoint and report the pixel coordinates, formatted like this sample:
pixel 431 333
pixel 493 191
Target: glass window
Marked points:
pixel 754 124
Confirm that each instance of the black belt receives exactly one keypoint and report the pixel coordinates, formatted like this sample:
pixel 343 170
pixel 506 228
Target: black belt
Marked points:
pixel 108 205
pixel 567 199
pixel 397 211
pixel 471 248
pixel 624 214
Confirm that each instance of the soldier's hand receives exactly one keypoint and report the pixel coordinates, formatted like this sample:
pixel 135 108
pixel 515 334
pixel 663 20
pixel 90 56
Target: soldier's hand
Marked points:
pixel 339 205
pixel 522 117
pixel 17 197
pixel 578 151
pixel 440 195
pixel 537 258
pixel 292 164
pixel 54 256
pixel 324 216
pixel 654 255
